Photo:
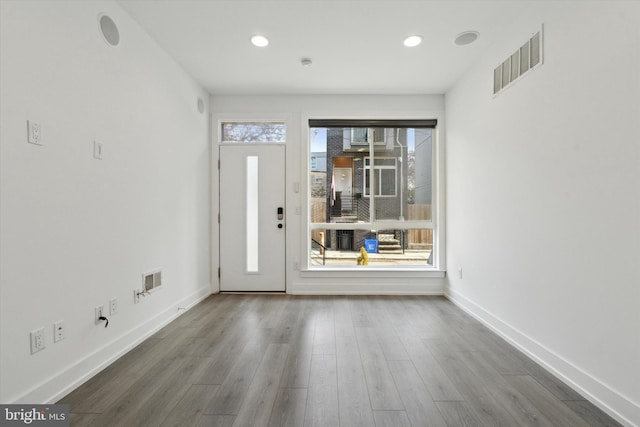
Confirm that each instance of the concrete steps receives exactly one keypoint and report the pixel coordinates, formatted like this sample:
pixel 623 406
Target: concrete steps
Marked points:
pixel 388 244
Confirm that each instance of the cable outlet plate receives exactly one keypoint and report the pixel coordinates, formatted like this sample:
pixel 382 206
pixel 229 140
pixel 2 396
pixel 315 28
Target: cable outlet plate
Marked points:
pixel 58 331
pixel 37 340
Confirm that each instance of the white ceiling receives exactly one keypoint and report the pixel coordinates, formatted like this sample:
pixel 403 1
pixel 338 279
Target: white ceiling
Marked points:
pixel 355 45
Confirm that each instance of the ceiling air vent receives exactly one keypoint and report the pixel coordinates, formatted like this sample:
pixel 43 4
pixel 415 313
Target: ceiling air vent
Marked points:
pixel 526 58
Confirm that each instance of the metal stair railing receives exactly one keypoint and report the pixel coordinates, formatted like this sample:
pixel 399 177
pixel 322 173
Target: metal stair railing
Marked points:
pixel 318 250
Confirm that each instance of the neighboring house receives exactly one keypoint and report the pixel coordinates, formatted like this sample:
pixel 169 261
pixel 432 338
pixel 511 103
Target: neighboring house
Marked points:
pixel 401 176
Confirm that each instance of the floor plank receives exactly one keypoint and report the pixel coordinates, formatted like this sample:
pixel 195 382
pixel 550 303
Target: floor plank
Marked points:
pixel 216 421
pixel 355 406
pixel 82 420
pixel 382 389
pixel 232 391
pixel 288 409
pixel 391 419
pixel 322 395
pixel 419 406
pixel 591 414
pixel 462 414
pixel 438 383
pixel 191 406
pixel 550 407
pixel 149 402
pixel 258 403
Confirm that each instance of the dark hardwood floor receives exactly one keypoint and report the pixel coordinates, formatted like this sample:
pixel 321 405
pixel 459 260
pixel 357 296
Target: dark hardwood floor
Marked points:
pixel 279 360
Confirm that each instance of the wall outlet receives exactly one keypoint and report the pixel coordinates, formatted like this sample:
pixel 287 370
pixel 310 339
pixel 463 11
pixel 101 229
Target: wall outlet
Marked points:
pixel 58 331
pixel 37 340
pixel 460 273
pixel 99 312
pixel 113 306
pixel 34 132
pixel 136 296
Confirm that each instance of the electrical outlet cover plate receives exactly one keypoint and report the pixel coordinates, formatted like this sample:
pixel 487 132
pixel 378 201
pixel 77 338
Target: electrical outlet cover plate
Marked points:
pixel 37 340
pixel 99 312
pixel 33 133
pixel 113 306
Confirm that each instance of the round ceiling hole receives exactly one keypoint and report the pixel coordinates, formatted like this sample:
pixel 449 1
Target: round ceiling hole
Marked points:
pixel 466 38
pixel 200 105
pixel 109 30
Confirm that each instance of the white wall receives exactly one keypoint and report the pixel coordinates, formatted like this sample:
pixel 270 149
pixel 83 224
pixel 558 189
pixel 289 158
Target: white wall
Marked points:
pixel 296 110
pixel 77 231
pixel 544 198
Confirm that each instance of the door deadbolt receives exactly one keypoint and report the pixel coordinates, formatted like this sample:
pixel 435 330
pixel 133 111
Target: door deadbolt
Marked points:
pixel 280 214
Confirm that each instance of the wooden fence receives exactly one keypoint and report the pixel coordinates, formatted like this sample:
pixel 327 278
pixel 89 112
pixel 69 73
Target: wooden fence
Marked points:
pixel 420 237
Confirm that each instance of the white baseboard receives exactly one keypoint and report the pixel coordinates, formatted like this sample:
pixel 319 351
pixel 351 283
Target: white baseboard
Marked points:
pixel 65 381
pixel 618 406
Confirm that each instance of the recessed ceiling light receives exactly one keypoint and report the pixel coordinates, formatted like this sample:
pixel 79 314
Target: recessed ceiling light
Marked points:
pixel 260 41
pixel 412 41
pixel 466 38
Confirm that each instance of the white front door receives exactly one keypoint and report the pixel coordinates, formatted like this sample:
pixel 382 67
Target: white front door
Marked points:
pixel 252 222
pixel 343 183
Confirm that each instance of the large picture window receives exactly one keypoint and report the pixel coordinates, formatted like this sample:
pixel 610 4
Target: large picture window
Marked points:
pixel 371 186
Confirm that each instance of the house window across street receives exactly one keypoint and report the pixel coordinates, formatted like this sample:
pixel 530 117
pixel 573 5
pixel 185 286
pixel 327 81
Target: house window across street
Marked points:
pixel 385 177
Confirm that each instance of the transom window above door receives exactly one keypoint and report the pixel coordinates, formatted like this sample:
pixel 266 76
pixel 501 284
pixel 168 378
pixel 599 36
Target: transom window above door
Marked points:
pixel 253 132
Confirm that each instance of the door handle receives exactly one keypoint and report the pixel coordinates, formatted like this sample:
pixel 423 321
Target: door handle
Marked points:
pixel 280 226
